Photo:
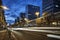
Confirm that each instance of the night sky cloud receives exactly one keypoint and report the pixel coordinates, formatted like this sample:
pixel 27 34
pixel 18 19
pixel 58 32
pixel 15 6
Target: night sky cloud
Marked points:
pixel 17 6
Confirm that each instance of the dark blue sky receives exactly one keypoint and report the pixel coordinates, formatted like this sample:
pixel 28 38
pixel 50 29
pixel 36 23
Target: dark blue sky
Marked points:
pixel 17 6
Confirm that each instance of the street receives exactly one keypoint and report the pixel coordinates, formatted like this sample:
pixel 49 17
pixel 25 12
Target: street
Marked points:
pixel 29 19
pixel 22 35
pixel 28 34
pixel 3 35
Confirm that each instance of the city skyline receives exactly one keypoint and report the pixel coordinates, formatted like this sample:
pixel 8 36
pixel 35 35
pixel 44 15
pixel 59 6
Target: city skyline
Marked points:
pixel 15 7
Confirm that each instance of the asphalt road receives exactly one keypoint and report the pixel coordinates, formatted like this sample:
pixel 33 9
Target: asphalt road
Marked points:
pixel 21 35
pixel 24 35
pixel 4 35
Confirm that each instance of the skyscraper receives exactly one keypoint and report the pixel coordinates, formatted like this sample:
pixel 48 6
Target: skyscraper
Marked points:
pixel 31 10
pixel 51 6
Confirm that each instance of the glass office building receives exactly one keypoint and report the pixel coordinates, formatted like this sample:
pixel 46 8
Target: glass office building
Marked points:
pixel 31 10
pixel 51 6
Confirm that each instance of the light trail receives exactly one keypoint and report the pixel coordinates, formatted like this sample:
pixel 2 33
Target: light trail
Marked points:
pixel 26 29
pixel 53 36
pixel 44 27
pixel 14 30
pixel 13 36
pixel 14 33
pixel 18 33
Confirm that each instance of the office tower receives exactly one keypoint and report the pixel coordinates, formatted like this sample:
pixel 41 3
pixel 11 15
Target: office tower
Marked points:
pixel 31 11
pixel 51 6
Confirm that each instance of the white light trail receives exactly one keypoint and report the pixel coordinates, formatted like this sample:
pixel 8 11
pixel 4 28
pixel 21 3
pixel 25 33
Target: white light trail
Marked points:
pixel 26 29
pixel 13 36
pixel 4 7
pixel 44 27
pixel 18 33
pixel 53 36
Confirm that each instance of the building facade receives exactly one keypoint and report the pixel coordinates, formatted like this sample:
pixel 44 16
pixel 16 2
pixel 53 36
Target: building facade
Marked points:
pixel 51 6
pixel 31 10
pixel 2 17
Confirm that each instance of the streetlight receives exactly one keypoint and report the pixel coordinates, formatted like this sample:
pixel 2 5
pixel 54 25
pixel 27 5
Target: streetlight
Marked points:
pixel 37 14
pixel 4 7
pixel 54 23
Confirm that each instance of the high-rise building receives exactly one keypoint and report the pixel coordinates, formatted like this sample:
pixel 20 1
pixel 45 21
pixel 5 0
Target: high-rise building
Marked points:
pixel 31 12
pixel 51 6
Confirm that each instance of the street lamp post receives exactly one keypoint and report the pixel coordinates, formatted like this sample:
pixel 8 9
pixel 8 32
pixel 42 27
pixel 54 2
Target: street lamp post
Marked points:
pixel 37 14
pixel 4 7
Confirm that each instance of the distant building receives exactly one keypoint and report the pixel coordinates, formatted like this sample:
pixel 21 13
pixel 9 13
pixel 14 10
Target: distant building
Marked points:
pixel 22 15
pixel 17 19
pixel 51 6
pixel 31 10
